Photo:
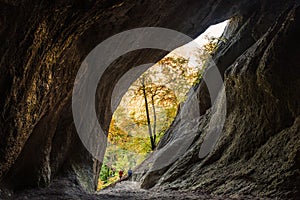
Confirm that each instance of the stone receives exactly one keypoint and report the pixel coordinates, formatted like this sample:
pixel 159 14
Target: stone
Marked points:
pixel 44 43
pixel 258 149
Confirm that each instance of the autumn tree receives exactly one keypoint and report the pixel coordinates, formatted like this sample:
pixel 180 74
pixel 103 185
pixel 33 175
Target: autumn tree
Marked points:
pixel 178 74
pixel 154 96
pixel 158 91
pixel 205 52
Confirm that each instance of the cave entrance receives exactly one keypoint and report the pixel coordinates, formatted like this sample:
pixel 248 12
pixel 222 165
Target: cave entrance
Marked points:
pixel 150 105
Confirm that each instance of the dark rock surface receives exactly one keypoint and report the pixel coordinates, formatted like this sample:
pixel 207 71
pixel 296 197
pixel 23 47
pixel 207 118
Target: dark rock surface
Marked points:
pixel 66 189
pixel 44 42
pixel 258 152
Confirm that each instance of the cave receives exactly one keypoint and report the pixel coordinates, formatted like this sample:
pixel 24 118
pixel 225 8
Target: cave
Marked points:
pixel 46 43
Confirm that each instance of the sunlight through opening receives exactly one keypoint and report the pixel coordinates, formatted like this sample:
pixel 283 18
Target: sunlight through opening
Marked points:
pixel 150 105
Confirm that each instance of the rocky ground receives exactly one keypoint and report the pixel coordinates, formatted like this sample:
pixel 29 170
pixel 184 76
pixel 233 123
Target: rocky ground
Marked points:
pixel 64 189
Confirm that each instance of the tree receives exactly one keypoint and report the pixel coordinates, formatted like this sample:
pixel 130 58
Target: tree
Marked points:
pixel 158 92
pixel 205 52
pixel 179 75
pixel 151 95
pixel 212 45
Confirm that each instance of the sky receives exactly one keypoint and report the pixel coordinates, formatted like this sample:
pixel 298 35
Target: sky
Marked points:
pixel 188 50
pixel 214 30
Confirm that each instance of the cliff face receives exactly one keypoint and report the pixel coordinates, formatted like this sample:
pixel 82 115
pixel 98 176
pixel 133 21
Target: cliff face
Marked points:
pixel 44 43
pixel 258 150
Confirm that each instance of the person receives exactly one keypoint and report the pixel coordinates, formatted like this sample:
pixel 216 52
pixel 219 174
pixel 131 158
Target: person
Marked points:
pixel 120 173
pixel 129 172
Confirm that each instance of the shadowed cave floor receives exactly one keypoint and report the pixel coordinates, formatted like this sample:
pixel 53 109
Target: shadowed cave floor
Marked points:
pixel 65 189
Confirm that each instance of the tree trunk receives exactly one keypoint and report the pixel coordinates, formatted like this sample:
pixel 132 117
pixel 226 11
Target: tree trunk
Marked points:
pixel 154 119
pixel 148 117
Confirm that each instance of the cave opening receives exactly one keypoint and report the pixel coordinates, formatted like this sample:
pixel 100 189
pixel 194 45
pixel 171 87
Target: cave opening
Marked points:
pixel 43 46
pixel 148 108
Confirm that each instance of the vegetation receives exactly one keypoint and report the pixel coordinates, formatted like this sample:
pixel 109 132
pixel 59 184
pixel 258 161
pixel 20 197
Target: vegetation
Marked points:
pixel 147 110
pixel 203 54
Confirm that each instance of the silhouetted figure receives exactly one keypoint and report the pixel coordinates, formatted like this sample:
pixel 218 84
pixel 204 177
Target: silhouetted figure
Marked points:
pixel 121 173
pixel 129 173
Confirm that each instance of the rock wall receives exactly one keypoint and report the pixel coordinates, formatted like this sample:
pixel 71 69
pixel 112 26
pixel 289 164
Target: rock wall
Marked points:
pixel 44 42
pixel 258 151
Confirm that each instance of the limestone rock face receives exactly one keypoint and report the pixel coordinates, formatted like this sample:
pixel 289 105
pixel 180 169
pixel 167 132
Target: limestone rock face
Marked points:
pixel 258 150
pixel 44 42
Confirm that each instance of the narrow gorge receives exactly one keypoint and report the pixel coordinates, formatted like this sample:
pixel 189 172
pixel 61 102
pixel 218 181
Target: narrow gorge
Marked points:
pixel 256 110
